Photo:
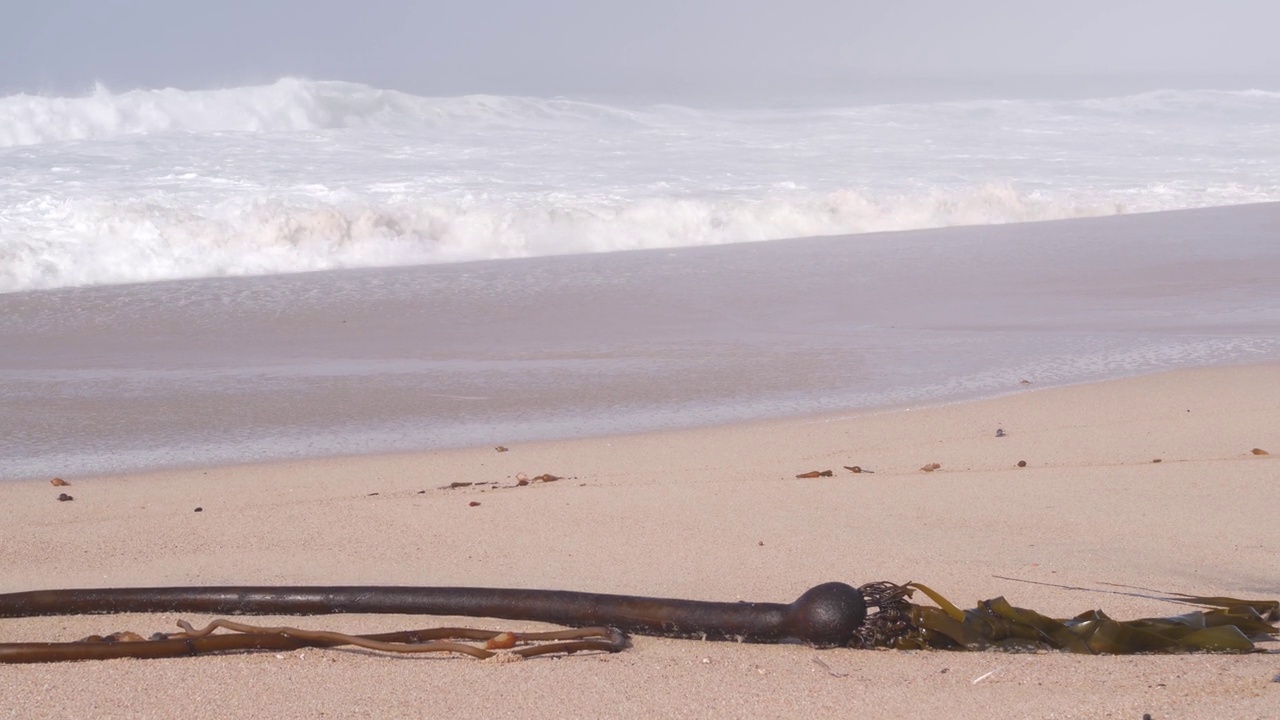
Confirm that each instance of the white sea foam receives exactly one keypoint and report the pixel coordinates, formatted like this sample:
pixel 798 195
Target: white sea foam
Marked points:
pixel 285 106
pixel 301 175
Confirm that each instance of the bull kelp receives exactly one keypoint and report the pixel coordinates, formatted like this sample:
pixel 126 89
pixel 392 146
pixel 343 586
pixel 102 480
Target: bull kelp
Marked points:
pixel 875 615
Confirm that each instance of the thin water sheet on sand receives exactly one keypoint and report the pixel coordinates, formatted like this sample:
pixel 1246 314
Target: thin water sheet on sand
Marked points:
pixel 110 379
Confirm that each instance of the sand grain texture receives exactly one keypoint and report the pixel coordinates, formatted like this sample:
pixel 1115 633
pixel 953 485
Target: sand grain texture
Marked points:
pixel 713 514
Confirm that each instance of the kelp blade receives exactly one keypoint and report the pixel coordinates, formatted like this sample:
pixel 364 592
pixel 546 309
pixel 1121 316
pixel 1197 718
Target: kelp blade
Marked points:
pixel 1231 628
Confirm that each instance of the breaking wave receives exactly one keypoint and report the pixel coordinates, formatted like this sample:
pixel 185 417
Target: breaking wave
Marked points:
pixel 288 105
pixel 103 242
pixel 304 175
pixel 293 104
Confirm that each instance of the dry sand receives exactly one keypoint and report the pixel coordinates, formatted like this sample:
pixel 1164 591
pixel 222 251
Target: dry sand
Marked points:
pixel 714 514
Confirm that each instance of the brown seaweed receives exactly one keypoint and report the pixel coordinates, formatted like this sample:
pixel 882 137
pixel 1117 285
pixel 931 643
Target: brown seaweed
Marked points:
pixel 829 615
pixel 1233 626
pixel 252 637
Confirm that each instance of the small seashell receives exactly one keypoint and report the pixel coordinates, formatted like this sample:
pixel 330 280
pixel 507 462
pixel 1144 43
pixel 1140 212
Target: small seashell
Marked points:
pixel 473 503
pixel 59 482
pixel 1022 463
pixel 1259 451
pixel 931 467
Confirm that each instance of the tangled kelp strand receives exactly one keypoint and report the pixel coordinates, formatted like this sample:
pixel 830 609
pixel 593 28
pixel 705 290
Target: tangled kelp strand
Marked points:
pixel 1232 626
pixel 875 615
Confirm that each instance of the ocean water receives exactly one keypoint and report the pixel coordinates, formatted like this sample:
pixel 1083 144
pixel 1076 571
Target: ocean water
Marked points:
pixel 315 268
pixel 301 175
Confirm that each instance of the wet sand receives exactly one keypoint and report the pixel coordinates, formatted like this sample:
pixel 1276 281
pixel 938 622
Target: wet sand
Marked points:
pixel 717 514
pixel 227 370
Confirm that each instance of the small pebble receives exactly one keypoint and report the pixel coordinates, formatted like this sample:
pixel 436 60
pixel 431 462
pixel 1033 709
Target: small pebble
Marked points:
pixel 1022 463
pixel 999 432
pixel 500 449
pixel 473 503
pixel 1259 451
pixel 199 509
pixel 64 497
pixel 59 482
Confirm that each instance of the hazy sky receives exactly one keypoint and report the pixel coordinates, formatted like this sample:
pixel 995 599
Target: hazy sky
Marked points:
pixel 542 46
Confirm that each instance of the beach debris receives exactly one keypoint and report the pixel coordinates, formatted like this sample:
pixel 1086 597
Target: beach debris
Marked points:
pixel 1000 432
pixel 522 479
pixel 875 615
pixel 473 503
pixel 59 482
pixel 1259 451
pixel 822 664
pixel 1024 381
pixel 501 641
pixel 498 645
pixel 500 449
pixel 815 474
pixel 456 485
pixel 984 676
pixel 930 467
pixel 1022 463
pixel 63 497
pixel 858 469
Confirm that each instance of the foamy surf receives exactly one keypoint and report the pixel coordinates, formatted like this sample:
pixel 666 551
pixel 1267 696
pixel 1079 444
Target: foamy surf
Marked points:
pixel 116 378
pixel 300 175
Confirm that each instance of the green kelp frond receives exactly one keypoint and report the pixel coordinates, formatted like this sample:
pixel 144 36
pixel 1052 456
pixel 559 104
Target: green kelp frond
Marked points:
pixel 1233 626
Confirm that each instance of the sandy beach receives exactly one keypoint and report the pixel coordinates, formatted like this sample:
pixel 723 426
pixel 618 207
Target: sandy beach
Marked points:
pixel 715 514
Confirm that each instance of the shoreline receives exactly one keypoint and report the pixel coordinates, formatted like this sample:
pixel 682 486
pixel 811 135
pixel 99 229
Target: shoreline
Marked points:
pixel 755 425
pixel 709 513
pixel 201 373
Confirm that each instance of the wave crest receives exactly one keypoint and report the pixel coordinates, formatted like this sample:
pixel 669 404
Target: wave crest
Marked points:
pixel 288 105
pixel 294 104
pixel 104 242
